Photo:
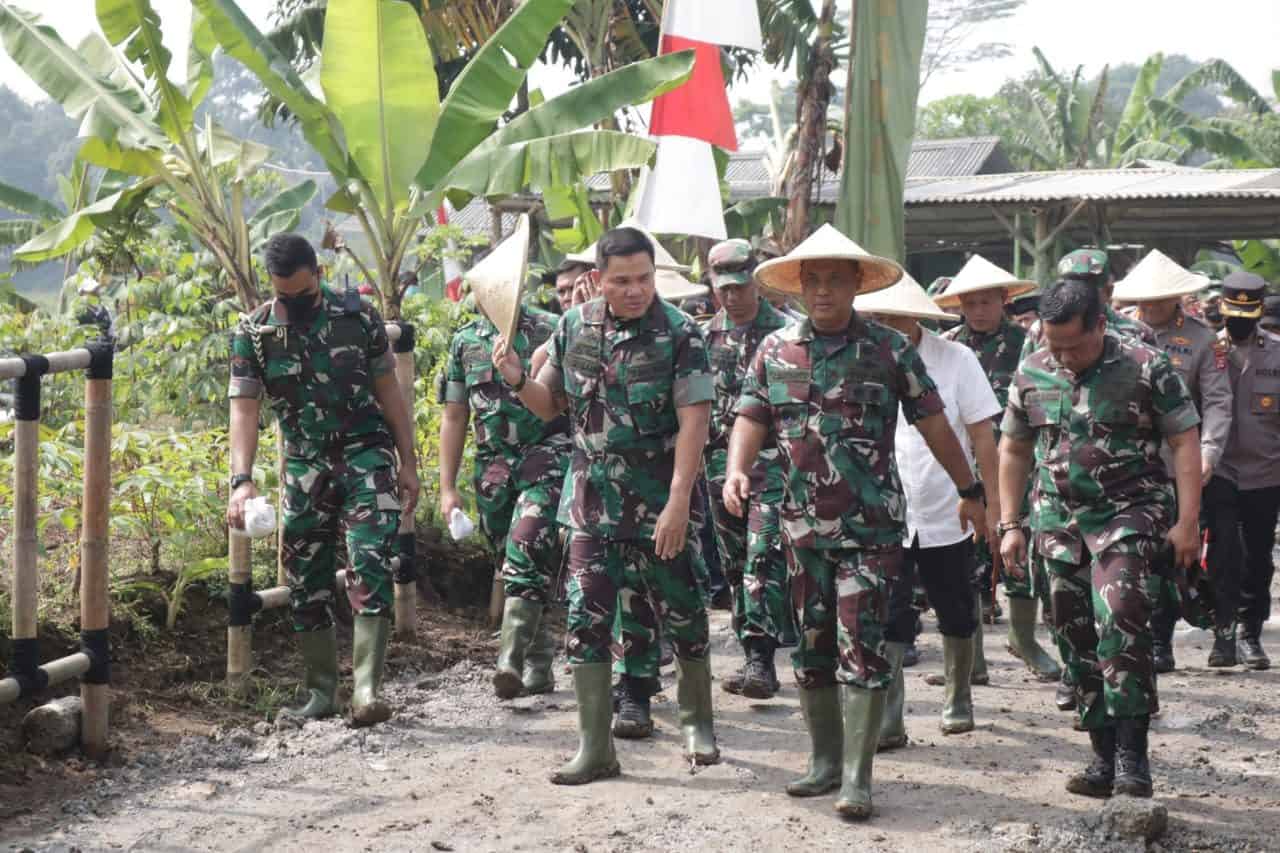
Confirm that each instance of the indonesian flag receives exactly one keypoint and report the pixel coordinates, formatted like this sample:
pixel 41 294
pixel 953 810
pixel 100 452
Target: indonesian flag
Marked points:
pixel 681 195
pixel 452 269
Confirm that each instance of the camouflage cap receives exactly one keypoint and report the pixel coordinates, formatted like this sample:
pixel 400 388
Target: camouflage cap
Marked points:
pixel 731 262
pixel 1084 262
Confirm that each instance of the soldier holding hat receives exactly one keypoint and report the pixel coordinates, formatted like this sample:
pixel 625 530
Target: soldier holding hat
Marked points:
pixel 1252 459
pixel 1157 285
pixel 827 390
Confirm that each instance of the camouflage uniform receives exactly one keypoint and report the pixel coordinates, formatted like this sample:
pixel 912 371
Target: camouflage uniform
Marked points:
pixel 340 460
pixel 624 380
pixel 831 402
pixel 520 459
pixel 750 548
pixel 1104 504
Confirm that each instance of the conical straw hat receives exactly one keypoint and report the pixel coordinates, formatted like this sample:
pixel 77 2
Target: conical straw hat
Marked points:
pixel 828 244
pixel 904 299
pixel 980 274
pixel 1157 276
pixel 674 287
pixel 662 259
pixel 497 281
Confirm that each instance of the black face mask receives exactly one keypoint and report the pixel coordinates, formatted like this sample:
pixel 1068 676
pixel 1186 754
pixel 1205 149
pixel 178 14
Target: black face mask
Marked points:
pixel 300 308
pixel 1241 328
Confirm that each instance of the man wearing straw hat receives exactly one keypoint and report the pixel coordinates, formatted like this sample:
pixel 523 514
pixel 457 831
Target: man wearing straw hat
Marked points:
pixel 1252 460
pixel 1157 285
pixel 939 551
pixel 981 290
pixel 1091 409
pixel 750 548
pixel 827 390
pixel 632 371
pixel 520 463
pixel 324 361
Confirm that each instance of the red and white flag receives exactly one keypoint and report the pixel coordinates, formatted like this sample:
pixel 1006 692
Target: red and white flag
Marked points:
pixel 452 270
pixel 681 195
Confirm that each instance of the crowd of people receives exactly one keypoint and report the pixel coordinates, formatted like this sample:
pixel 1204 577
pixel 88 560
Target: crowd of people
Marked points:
pixel 822 447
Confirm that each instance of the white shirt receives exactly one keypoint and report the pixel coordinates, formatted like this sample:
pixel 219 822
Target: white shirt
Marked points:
pixel 931 496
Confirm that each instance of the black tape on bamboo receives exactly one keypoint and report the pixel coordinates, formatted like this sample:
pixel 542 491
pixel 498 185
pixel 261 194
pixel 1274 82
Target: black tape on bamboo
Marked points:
pixel 26 450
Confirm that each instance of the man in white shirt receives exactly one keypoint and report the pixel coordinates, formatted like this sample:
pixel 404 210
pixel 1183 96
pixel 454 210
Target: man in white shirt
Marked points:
pixel 939 550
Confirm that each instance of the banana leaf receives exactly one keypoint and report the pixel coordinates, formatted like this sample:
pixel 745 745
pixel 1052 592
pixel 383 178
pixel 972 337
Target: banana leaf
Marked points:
pixel 135 24
pixel 68 234
pixel 21 201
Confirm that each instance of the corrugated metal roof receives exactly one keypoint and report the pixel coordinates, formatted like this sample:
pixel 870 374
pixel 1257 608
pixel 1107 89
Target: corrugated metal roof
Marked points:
pixel 1095 185
pixel 970 155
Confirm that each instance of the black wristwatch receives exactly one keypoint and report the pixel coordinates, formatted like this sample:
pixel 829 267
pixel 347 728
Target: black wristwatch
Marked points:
pixel 524 379
pixel 238 480
pixel 974 491
pixel 1008 526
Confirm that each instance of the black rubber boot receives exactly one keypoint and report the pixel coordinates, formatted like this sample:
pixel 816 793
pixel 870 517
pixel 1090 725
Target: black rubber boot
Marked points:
pixel 1250 651
pixel 759 681
pixel 632 721
pixel 1224 648
pixel 1162 623
pixel 1099 777
pixel 1133 771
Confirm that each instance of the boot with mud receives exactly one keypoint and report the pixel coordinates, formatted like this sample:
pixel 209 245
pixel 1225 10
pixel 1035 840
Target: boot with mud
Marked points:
pixel 821 707
pixel 957 708
pixel 1223 653
pixel 539 671
pixel 732 683
pixel 1099 777
pixel 633 721
pixel 320 654
pixel 893 725
pixel 1250 649
pixel 979 673
pixel 1022 640
pixel 595 758
pixel 519 626
pixel 863 711
pixel 1133 770
pixel 693 693
pixel 760 679
pixel 368 655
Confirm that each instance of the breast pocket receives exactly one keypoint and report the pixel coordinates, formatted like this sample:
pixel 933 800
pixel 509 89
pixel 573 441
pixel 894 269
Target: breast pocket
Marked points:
pixel 349 371
pixel 649 397
pixel 1265 402
pixel 284 375
pixel 1044 408
pixel 865 410
pixel 790 414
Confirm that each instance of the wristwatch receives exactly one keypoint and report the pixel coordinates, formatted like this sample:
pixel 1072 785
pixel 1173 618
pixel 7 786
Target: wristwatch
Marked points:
pixel 524 379
pixel 1005 526
pixel 238 480
pixel 974 491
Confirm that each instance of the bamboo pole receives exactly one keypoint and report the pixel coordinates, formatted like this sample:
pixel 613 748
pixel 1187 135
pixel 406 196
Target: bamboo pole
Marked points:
pixel 59 362
pixel 56 671
pixel 239 637
pixel 26 447
pixel 282 576
pixel 406 594
pixel 95 612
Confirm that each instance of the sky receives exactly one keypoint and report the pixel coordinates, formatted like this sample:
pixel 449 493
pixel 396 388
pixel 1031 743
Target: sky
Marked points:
pixel 1080 32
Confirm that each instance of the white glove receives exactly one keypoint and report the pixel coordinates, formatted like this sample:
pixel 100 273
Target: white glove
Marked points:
pixel 460 527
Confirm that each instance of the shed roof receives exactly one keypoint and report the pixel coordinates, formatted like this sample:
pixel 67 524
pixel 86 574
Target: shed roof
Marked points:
pixel 969 155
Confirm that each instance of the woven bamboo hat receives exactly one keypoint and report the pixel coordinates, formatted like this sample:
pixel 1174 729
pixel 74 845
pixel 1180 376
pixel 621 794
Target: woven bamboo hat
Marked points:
pixel 828 244
pixel 1156 277
pixel 980 274
pixel 497 280
pixel 904 299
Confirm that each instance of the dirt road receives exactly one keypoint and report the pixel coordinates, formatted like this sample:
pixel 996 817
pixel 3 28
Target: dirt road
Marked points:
pixel 457 770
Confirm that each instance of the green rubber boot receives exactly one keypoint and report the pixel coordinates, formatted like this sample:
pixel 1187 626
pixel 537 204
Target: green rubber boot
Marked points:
pixel 1022 640
pixel 979 675
pixel 821 707
pixel 893 728
pixel 957 708
pixel 595 758
pixel 863 710
pixel 693 693
pixel 519 625
pixel 368 655
pixel 539 674
pixel 320 653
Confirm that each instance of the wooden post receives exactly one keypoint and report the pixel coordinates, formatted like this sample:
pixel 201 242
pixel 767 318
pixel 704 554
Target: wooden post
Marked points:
pixel 240 629
pixel 95 612
pixel 406 581
pixel 1043 242
pixel 26 448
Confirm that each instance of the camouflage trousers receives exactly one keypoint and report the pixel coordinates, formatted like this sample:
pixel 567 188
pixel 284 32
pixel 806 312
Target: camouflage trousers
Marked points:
pixel 731 544
pixel 625 580
pixel 1102 611
pixel 353 491
pixel 841 598
pixel 517 506
pixel 766 602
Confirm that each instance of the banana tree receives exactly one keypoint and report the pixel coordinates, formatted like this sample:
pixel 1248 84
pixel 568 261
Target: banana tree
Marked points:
pixel 395 150
pixel 145 127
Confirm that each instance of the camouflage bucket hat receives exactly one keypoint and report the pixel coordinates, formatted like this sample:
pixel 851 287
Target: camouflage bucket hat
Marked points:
pixel 1084 262
pixel 731 262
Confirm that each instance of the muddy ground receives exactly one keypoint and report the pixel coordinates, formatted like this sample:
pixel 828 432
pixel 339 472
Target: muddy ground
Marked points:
pixel 458 770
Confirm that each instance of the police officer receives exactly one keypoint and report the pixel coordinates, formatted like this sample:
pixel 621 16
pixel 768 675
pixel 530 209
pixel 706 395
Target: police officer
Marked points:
pixel 827 390
pixel 520 462
pixel 632 371
pixel 1252 459
pixel 750 548
pixel 1093 408
pixel 1158 284
pixel 324 361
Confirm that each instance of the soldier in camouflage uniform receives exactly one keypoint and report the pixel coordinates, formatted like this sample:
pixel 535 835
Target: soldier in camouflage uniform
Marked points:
pixel 750 548
pixel 519 471
pixel 980 291
pixel 1094 408
pixel 827 390
pixel 324 361
pixel 633 373
pixel 1157 285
